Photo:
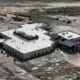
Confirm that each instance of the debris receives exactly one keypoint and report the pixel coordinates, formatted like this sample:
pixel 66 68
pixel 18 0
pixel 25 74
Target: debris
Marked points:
pixel 18 18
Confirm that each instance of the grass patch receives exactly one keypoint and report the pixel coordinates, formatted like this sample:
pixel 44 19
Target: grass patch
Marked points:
pixel 39 16
pixel 72 11
pixel 41 19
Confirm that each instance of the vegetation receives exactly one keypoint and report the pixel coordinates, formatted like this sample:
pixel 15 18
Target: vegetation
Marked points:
pixel 37 15
pixel 72 11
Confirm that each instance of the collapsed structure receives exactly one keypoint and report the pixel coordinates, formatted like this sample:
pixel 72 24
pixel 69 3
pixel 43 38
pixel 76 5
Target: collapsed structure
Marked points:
pixel 68 41
pixel 27 42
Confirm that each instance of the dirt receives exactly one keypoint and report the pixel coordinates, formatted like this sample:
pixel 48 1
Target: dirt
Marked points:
pixel 50 67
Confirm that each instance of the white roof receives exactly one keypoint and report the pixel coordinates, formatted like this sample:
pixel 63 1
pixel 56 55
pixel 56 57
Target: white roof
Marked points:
pixel 25 46
pixel 69 34
pixel 34 25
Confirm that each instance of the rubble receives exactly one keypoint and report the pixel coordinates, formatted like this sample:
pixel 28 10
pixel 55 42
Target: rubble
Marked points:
pixel 18 18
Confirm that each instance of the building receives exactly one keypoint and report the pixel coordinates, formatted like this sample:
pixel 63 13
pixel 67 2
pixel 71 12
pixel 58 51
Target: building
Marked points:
pixel 27 42
pixel 68 41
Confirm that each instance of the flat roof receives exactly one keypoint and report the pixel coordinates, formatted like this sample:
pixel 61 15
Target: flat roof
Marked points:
pixel 25 46
pixel 69 43
pixel 69 34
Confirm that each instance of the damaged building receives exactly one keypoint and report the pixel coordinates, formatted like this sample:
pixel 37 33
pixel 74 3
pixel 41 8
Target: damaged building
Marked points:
pixel 68 41
pixel 27 42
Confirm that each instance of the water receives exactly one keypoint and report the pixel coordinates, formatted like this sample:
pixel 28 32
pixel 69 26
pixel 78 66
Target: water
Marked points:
pixel 36 4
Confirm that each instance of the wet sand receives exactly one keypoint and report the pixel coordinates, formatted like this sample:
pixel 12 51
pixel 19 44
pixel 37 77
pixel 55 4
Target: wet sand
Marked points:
pixel 73 59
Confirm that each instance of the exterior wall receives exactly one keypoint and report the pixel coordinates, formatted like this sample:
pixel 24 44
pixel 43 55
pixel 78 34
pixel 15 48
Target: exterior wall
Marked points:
pixel 38 53
pixel 12 51
pixel 4 36
pixel 23 56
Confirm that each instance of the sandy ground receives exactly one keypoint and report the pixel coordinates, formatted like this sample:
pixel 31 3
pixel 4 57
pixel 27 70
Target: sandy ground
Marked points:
pixel 58 65
pixel 54 66
pixel 50 67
